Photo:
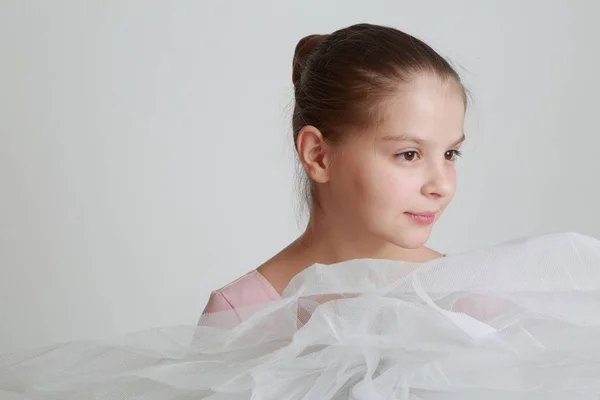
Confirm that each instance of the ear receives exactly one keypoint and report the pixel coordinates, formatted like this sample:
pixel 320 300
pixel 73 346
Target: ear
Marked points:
pixel 315 154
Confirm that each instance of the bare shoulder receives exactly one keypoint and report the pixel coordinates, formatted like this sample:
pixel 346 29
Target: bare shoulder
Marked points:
pixel 431 254
pixel 424 254
pixel 281 268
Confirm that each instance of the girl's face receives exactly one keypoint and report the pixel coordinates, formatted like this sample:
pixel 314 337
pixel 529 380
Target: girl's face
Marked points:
pixel 396 180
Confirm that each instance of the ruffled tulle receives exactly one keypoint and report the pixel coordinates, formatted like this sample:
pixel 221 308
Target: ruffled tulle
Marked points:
pixel 516 321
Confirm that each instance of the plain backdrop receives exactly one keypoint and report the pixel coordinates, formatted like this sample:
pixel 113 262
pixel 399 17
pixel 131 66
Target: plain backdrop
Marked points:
pixel 146 154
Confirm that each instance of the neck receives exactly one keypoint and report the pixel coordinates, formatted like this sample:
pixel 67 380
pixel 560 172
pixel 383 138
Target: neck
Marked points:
pixel 327 241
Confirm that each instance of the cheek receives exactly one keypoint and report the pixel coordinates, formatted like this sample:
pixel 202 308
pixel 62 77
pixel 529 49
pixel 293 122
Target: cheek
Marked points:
pixel 385 186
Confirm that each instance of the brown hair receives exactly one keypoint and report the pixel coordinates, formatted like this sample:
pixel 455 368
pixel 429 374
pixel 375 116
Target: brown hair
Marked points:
pixel 341 79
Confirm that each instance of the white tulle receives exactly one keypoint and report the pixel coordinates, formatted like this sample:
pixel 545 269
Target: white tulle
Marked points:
pixel 516 321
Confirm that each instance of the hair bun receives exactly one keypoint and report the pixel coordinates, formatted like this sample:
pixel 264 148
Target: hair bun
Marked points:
pixel 303 50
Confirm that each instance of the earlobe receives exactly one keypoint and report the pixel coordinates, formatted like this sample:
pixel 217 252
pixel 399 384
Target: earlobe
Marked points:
pixel 313 152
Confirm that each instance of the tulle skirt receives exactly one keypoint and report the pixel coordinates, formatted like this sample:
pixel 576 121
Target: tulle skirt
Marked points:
pixel 515 321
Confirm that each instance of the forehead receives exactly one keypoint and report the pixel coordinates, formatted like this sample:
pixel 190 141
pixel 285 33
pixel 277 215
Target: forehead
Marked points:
pixel 428 108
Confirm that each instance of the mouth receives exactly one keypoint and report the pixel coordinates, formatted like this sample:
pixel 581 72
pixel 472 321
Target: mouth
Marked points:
pixel 422 218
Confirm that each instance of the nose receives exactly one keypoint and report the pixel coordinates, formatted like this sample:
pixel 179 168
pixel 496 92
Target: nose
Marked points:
pixel 440 181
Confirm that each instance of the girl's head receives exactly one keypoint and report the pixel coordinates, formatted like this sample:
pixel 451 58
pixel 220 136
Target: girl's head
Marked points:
pixel 378 121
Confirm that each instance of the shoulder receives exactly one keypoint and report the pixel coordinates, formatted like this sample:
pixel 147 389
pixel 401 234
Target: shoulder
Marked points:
pixel 251 288
pixel 283 266
pixel 430 254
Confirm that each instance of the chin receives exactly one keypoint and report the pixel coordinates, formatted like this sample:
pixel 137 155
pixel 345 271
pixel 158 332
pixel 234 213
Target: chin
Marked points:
pixel 411 238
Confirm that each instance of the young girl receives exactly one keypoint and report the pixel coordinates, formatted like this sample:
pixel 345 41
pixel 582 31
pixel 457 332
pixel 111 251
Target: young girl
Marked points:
pixel 378 123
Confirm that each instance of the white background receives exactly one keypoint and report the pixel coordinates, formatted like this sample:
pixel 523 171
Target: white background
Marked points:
pixel 146 159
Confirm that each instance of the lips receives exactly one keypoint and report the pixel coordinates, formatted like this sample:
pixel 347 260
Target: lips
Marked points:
pixel 422 218
pixel 426 214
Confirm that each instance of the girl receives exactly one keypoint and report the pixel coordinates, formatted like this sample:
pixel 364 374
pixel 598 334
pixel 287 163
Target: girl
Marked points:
pixel 378 123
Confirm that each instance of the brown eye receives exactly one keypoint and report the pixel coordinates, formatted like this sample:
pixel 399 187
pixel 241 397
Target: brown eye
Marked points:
pixel 408 155
pixel 452 154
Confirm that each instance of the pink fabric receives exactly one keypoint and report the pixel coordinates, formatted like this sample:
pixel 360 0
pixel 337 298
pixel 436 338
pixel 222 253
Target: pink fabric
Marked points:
pixel 252 288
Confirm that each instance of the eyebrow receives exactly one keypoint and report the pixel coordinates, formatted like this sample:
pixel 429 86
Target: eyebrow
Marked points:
pixel 414 139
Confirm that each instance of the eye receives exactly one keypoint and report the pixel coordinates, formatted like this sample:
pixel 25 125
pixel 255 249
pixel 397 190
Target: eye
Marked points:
pixel 408 155
pixel 451 155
